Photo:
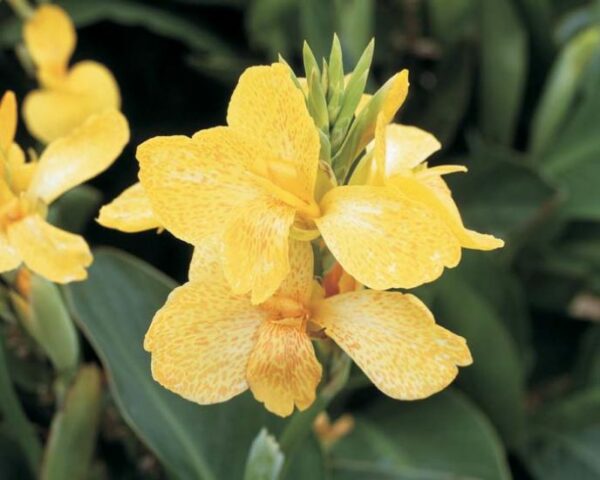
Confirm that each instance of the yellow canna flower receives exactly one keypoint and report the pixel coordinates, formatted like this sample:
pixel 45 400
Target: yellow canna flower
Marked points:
pixel 130 212
pixel 252 183
pixel 27 188
pixel 398 159
pixel 67 95
pixel 209 344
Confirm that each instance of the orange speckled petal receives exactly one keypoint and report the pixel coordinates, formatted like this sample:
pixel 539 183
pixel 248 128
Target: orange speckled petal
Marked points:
pixel 59 256
pixel 256 251
pixel 9 256
pixel 266 105
pixel 130 212
pixel 84 153
pixel 206 260
pixel 405 147
pixel 8 120
pixel 50 38
pixel 201 341
pixel 283 370
pixel 433 192
pixel 89 88
pixel 393 338
pixel 384 239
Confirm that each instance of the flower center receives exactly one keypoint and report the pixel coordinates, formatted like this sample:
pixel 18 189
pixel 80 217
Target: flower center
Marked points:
pixel 285 308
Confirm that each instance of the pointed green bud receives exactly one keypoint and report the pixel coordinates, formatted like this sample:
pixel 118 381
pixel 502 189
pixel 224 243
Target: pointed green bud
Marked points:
pixel 310 62
pixel 317 106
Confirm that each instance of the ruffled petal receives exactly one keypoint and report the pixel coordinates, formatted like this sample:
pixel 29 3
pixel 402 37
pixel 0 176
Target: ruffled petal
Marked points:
pixel 385 239
pixel 405 147
pixel 433 192
pixel 283 370
pixel 393 338
pixel 8 120
pixel 59 256
pixel 201 341
pixel 298 284
pixel 88 89
pixel 50 38
pixel 130 212
pixel 87 151
pixel 266 105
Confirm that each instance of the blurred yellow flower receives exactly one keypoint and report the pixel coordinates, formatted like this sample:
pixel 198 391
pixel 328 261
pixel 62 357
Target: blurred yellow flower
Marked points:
pixel 67 95
pixel 209 344
pixel 250 182
pixel 27 188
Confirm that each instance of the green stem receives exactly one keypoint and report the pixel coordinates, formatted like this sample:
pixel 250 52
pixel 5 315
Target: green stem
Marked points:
pixel 301 423
pixel 14 419
pixel 21 8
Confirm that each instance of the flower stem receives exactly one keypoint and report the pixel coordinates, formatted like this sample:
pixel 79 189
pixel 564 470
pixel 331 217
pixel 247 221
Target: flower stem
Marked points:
pixel 21 8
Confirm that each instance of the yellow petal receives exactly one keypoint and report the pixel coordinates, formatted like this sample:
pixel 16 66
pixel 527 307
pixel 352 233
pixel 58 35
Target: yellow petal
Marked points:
pixel 266 105
pixel 283 370
pixel 84 153
pixel 405 147
pixel 206 261
pixel 88 89
pixel 8 120
pixel 9 256
pixel 19 173
pixel 49 251
pixel 201 341
pixel 433 192
pixel 50 38
pixel 393 338
pixel 385 239
pixel 395 96
pixel 130 212
pixel 256 252
pixel 298 284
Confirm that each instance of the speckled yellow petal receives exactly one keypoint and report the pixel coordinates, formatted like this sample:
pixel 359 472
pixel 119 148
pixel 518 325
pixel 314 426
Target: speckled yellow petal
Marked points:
pixel 283 370
pixel 89 88
pixel 201 341
pixel 206 264
pixel 49 251
pixel 405 147
pixel 384 239
pixel 298 284
pixel 266 105
pixel 130 212
pixel 197 185
pixel 433 192
pixel 84 153
pixel 256 253
pixel 8 120
pixel 393 338
pixel 50 38
pixel 9 256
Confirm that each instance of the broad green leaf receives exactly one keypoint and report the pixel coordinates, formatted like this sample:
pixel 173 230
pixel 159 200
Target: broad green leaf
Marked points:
pixel 13 421
pixel 496 385
pixel 13 463
pixel 503 61
pixel 587 372
pixel 538 16
pixel 272 25
pixel 561 87
pixel 444 437
pixel 73 210
pixel 265 458
pixel 355 26
pixel 316 20
pixel 452 21
pixel 114 308
pixel 74 429
pixel 565 439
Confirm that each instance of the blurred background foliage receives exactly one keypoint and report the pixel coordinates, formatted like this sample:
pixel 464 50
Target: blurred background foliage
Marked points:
pixel 510 87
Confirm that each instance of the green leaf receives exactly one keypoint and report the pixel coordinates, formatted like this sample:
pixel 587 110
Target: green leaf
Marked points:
pixel 74 429
pixel 561 87
pixel 444 437
pixel 45 317
pixel 273 26
pixel 587 372
pixel 316 21
pixel 503 61
pixel 497 386
pixel 13 421
pixel 265 459
pixel 355 27
pixel 73 210
pixel 452 21
pixel 565 438
pixel 114 308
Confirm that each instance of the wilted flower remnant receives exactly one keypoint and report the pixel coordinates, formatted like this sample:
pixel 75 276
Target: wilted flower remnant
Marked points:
pixel 27 188
pixel 301 161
